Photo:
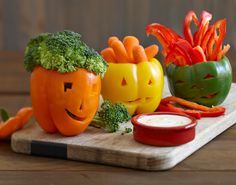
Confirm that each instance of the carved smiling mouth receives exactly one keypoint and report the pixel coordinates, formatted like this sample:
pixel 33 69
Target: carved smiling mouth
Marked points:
pixel 147 99
pixel 74 116
pixel 210 96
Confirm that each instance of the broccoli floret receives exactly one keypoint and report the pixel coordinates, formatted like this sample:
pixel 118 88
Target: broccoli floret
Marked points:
pixel 110 116
pixel 62 51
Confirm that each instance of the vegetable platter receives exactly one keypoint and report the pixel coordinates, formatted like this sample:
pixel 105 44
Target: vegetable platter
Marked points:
pixel 117 149
pixel 68 78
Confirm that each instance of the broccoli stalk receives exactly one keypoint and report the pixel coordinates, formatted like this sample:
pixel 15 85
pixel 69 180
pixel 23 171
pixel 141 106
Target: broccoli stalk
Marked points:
pixel 111 116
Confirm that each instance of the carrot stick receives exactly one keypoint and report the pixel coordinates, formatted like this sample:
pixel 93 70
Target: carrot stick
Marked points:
pixel 151 51
pixel 15 123
pixel 10 126
pixel 139 54
pixel 109 55
pixel 111 40
pixel 25 114
pixel 120 52
pixel 130 42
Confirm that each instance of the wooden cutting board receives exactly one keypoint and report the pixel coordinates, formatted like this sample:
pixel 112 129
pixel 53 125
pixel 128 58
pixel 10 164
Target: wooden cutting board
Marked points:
pixel 97 146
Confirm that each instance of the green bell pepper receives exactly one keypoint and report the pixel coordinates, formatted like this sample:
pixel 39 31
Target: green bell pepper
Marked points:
pixel 206 83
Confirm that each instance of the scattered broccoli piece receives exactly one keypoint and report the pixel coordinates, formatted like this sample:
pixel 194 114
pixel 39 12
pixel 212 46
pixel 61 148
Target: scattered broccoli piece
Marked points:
pixel 128 130
pixel 110 116
pixel 62 51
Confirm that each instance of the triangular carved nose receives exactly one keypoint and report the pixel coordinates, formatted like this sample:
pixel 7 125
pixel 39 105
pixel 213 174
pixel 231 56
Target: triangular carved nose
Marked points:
pixel 81 106
pixel 123 83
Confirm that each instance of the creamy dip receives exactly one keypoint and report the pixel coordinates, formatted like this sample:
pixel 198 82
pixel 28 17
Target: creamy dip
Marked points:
pixel 164 120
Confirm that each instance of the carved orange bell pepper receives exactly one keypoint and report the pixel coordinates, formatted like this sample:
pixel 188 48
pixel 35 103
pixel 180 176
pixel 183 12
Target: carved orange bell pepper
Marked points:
pixel 64 102
pixel 65 81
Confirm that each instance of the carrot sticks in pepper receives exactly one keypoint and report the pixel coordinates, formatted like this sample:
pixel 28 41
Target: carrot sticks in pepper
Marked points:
pixel 151 51
pixel 195 110
pixel 130 42
pixel 120 51
pixel 139 54
pixel 128 51
pixel 109 55
pixel 111 40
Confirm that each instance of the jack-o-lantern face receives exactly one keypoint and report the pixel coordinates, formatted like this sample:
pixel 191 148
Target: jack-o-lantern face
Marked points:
pixel 138 86
pixel 207 83
pixel 64 102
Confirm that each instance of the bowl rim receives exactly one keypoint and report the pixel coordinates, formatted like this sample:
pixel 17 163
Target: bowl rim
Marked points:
pixel 190 125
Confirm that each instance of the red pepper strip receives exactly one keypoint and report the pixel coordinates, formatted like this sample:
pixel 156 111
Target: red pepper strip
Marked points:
pixel 171 108
pixel 179 53
pixel 206 38
pixel 221 25
pixel 184 47
pixel 168 34
pixel 204 111
pixel 202 27
pixel 171 58
pixel 164 35
pixel 185 103
pixel 211 45
pixel 198 55
pixel 181 60
pixel 214 112
pixel 150 30
pixel 223 52
pixel 191 16
pixel 175 57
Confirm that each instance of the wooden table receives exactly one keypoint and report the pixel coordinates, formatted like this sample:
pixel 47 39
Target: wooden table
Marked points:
pixel 215 163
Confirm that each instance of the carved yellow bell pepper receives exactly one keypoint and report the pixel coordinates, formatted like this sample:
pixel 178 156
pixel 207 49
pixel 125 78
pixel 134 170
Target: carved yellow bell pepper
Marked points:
pixel 138 86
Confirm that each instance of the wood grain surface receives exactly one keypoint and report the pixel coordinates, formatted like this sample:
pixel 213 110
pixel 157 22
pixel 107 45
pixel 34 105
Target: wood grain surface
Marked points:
pixel 213 164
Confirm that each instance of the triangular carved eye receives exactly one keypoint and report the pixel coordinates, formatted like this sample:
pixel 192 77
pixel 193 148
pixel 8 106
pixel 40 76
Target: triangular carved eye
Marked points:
pixel 209 76
pixel 179 81
pixel 67 85
pixel 123 82
pixel 150 82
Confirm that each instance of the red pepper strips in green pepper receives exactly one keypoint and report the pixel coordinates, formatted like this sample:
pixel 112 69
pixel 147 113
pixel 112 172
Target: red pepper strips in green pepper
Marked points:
pixel 206 83
pixel 198 55
pixel 191 16
pixel 180 53
pixel 205 44
pixel 202 27
pixel 215 48
pixel 165 35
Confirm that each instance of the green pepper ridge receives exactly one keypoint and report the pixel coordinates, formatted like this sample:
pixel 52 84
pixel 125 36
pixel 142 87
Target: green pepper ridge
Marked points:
pixel 62 51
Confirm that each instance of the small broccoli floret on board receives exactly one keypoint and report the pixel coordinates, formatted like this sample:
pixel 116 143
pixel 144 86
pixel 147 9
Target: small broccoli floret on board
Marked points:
pixel 111 116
